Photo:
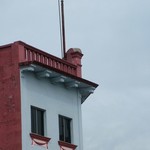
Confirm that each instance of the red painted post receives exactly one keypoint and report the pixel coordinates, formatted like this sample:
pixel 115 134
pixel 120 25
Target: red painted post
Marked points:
pixel 74 56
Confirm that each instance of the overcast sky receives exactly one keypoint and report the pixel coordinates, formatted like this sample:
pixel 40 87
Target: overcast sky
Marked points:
pixel 114 36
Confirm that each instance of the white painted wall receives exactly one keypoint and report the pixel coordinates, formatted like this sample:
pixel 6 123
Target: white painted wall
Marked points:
pixel 55 99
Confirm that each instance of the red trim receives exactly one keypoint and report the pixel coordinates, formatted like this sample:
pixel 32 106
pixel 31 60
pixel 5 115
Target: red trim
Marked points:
pixel 29 47
pixel 68 145
pixel 39 137
pixel 39 140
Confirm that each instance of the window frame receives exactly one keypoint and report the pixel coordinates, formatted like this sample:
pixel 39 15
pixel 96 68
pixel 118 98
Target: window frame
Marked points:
pixel 65 123
pixel 38 127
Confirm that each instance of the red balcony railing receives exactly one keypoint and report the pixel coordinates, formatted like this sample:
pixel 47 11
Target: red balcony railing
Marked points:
pixel 28 53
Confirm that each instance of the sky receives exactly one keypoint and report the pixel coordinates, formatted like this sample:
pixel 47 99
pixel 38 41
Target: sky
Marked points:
pixel 114 38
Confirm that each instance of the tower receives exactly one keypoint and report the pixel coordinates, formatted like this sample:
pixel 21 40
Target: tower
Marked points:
pixel 40 98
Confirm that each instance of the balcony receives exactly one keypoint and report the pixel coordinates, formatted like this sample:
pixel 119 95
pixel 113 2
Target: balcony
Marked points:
pixel 28 53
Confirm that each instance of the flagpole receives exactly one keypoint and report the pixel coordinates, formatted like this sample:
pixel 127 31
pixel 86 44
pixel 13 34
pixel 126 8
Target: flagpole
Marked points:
pixel 62 28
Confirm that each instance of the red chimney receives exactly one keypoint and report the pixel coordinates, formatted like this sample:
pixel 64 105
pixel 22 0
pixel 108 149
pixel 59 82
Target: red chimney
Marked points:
pixel 74 56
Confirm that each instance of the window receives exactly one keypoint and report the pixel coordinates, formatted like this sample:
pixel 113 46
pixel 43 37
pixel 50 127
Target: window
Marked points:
pixel 64 129
pixel 37 120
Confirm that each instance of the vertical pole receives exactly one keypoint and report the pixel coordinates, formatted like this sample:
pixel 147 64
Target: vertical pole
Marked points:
pixel 63 28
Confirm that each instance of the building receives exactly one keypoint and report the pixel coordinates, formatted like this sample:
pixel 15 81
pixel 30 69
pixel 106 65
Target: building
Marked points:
pixel 40 99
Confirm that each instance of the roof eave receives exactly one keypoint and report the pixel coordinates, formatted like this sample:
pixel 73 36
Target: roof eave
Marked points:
pixel 84 86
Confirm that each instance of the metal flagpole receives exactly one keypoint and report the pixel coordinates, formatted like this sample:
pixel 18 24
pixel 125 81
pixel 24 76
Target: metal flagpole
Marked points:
pixel 62 27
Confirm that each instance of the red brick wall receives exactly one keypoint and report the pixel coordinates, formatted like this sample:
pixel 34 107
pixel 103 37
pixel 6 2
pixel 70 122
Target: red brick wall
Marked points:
pixel 10 103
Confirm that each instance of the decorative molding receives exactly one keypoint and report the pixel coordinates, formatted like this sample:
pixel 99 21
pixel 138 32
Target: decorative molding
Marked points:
pixel 58 79
pixel 39 140
pixel 85 87
pixel 72 84
pixel 66 146
pixel 88 90
pixel 44 74
pixel 26 69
